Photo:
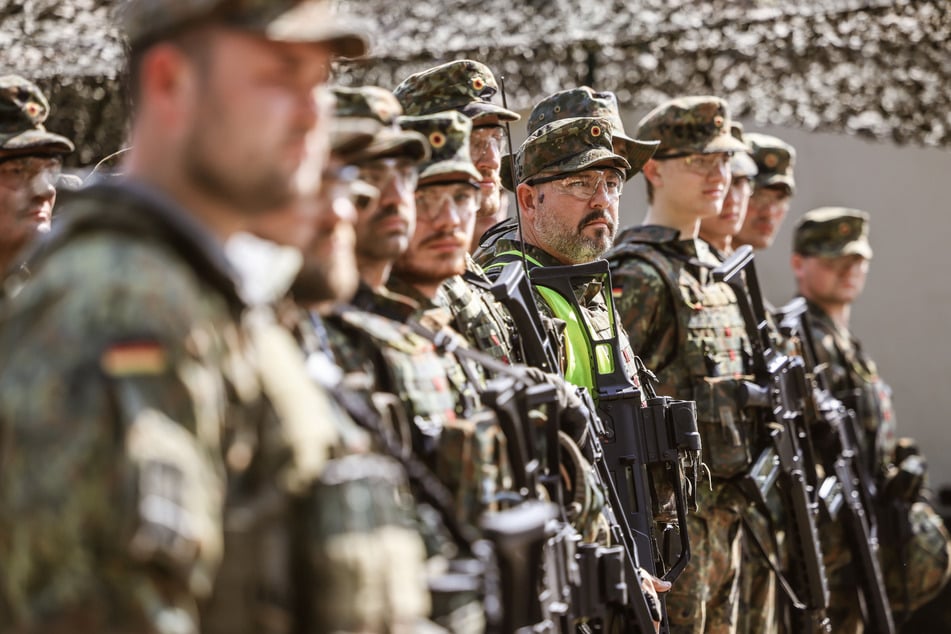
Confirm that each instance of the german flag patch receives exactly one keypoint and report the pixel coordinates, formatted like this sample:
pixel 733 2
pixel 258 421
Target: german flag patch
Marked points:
pixel 134 358
pixel 617 291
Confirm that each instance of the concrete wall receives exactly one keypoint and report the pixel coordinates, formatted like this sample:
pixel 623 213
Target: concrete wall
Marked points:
pixel 904 316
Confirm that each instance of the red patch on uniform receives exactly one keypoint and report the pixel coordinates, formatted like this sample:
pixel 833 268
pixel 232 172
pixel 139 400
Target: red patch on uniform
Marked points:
pixel 728 331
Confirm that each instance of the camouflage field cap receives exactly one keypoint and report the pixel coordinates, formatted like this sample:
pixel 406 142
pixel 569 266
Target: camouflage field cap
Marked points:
pixel 832 231
pixel 565 146
pixel 372 111
pixel 690 125
pixel 146 21
pixel 741 163
pixel 464 85
pixel 23 109
pixel 448 136
pixel 775 160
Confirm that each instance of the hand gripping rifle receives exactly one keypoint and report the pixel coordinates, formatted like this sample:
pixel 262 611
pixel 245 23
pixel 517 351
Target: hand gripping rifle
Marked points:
pixel 625 438
pixel 848 487
pixel 779 394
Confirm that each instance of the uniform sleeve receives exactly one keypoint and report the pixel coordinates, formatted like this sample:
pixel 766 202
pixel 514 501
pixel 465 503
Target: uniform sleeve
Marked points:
pixel 110 485
pixel 646 310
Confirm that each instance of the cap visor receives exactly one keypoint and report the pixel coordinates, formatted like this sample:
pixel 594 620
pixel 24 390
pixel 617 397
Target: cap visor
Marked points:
pixel 387 145
pixel 858 247
pixel 725 143
pixel 447 171
pixel 586 159
pixel 39 140
pixel 776 180
pixel 636 152
pixel 742 164
pixel 482 109
pixel 313 21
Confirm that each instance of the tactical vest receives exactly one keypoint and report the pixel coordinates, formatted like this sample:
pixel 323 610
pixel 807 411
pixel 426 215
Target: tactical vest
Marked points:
pixel 459 438
pixel 477 316
pixel 581 356
pixel 710 360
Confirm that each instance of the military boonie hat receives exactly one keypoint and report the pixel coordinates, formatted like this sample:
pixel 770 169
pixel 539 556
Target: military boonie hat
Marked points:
pixel 775 160
pixel 585 102
pixel 741 163
pixel 447 134
pixel 23 109
pixel 830 232
pixel 690 125
pixel 565 146
pixel 372 111
pixel 146 21
pixel 464 85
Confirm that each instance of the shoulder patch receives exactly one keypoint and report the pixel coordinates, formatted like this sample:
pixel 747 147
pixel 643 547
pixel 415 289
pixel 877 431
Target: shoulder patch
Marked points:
pixel 133 358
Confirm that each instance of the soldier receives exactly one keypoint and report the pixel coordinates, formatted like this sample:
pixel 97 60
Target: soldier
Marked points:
pixel 30 162
pixel 468 87
pixel 830 261
pixel 569 183
pixel 135 434
pixel 718 231
pixel 691 333
pixel 773 189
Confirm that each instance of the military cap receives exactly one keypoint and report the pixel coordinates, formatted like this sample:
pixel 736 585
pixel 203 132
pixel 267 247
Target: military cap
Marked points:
pixel 365 126
pixel 775 160
pixel 741 163
pixel 690 125
pixel 23 109
pixel 448 136
pixel 464 85
pixel 565 146
pixel 147 21
pixel 832 231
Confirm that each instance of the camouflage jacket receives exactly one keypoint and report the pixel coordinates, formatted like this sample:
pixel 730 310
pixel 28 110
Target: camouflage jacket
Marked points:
pixel 579 367
pixel 691 332
pixel 126 369
pixel 853 379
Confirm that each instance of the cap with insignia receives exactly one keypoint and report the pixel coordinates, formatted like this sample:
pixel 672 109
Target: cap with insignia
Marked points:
pixel 448 136
pixel 23 109
pixel 366 128
pixel 830 232
pixel 585 102
pixel 775 160
pixel 566 146
pixel 147 21
pixel 741 163
pixel 464 85
pixel 690 125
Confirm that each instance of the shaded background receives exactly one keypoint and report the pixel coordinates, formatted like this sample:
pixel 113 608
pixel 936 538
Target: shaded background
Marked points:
pixel 861 89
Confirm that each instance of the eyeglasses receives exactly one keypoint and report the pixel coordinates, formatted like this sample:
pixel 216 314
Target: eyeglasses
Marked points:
pixel 380 172
pixel 703 164
pixel 464 200
pixel 18 172
pixel 584 185
pixel 484 139
pixel 344 182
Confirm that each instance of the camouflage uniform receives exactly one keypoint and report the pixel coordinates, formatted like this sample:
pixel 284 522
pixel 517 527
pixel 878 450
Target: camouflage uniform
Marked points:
pixel 147 380
pixel 924 560
pixel 468 87
pixel 690 331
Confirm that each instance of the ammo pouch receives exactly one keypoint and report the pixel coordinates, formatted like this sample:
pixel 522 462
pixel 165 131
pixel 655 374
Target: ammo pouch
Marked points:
pixel 725 434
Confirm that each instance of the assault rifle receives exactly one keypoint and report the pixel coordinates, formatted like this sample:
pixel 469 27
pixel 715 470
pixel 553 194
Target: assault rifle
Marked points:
pixel 779 395
pixel 625 439
pixel 848 487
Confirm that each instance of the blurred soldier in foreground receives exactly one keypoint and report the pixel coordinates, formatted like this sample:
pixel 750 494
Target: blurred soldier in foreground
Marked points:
pixel 135 435
pixel 30 162
pixel 468 87
pixel 773 189
pixel 718 231
pixel 690 331
pixel 830 261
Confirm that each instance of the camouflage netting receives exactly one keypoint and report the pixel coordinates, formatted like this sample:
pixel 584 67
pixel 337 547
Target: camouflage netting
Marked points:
pixel 874 68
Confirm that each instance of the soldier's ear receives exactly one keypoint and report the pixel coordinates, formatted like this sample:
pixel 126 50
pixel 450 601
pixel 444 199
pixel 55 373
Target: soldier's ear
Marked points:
pixel 796 263
pixel 527 200
pixel 652 173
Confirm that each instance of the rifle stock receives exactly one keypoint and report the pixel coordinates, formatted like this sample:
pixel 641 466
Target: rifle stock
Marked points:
pixel 781 388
